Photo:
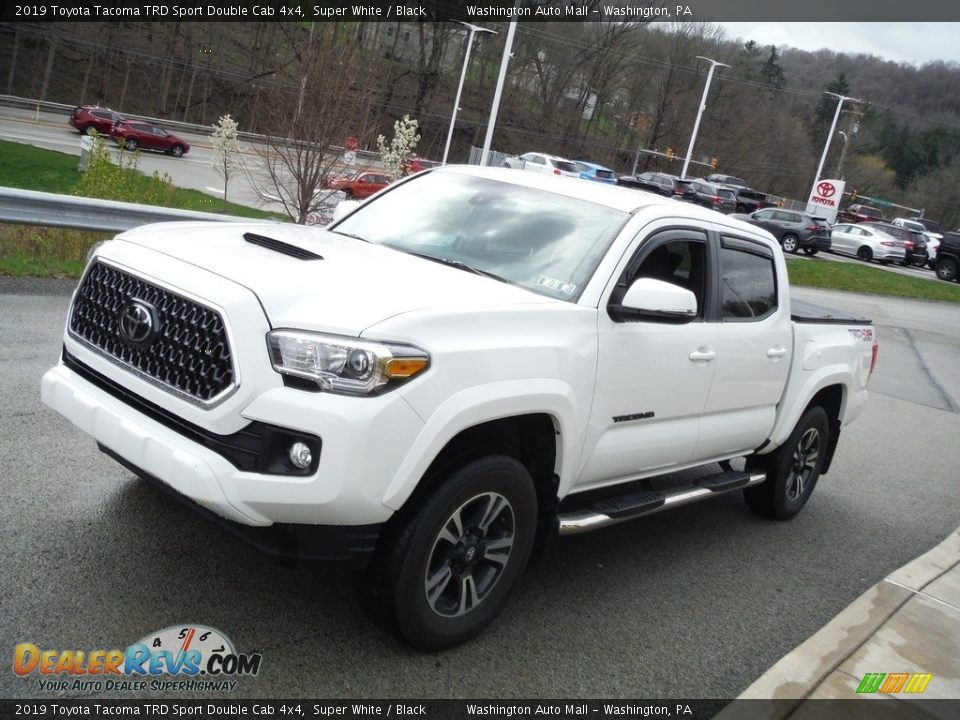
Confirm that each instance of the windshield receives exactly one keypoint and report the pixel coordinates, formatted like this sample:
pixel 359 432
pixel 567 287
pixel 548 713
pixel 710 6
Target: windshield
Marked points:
pixel 550 244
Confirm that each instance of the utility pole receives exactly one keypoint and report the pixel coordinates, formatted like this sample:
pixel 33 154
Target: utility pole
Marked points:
pixel 833 127
pixel 474 29
pixel 504 61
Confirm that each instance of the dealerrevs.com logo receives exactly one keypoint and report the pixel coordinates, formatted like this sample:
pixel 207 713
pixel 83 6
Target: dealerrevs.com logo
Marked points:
pixel 178 658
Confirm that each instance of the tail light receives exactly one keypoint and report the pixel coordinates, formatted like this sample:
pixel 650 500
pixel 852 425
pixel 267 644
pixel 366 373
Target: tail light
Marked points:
pixel 813 228
pixel 556 172
pixel 887 243
pixel 873 358
pixel 908 244
pixel 716 200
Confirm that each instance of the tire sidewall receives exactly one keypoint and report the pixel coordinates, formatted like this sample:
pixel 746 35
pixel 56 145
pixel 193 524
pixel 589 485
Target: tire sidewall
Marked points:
pixel 784 508
pixel 790 244
pixel 417 622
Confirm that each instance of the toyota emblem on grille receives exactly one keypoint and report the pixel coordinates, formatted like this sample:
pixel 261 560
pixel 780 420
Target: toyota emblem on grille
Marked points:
pixel 138 322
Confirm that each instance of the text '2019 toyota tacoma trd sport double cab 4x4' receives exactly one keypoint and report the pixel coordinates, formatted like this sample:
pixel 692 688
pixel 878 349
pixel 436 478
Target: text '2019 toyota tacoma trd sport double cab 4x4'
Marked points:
pixel 465 365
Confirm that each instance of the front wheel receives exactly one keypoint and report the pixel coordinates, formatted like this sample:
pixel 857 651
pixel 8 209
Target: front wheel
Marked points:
pixel 865 254
pixel 790 243
pixel 130 144
pixel 792 470
pixel 442 573
pixel 177 151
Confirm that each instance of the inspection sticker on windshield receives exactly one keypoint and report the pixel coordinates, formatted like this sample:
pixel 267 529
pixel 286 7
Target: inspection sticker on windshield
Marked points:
pixel 558 285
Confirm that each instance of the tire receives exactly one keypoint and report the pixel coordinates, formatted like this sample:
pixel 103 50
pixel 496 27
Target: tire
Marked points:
pixel 792 469
pixel 865 254
pixel 177 151
pixel 919 262
pixel 130 144
pixel 89 130
pixel 790 244
pixel 436 578
pixel 946 269
pixel 811 251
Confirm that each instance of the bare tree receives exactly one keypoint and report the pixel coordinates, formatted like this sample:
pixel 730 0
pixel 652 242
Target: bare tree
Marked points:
pixel 324 97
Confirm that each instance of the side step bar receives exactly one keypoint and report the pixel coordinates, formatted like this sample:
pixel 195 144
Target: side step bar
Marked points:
pixel 627 507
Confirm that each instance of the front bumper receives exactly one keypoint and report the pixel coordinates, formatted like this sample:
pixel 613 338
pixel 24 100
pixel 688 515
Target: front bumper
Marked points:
pixel 331 515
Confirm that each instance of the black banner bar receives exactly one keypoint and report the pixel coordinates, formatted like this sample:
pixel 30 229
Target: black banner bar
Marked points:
pixel 483 709
pixel 482 11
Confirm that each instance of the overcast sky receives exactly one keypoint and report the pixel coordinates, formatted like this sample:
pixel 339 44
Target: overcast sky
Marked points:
pixel 914 43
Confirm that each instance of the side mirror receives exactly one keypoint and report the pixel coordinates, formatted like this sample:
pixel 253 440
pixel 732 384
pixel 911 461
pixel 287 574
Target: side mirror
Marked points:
pixel 344 208
pixel 656 300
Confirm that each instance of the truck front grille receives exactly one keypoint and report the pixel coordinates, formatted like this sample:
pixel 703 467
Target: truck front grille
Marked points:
pixel 165 337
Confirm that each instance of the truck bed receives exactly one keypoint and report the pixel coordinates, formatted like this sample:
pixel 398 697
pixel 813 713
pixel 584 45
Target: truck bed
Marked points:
pixel 805 312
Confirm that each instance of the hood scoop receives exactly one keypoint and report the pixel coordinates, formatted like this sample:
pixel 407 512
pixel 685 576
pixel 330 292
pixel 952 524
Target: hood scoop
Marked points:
pixel 281 247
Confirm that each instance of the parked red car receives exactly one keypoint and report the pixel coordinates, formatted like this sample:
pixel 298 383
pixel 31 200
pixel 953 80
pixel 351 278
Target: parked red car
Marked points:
pixel 415 164
pixel 360 186
pixel 87 118
pixel 133 134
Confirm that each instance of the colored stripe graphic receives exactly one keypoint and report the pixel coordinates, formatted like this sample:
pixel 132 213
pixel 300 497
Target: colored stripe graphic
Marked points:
pixel 892 683
pixel 871 682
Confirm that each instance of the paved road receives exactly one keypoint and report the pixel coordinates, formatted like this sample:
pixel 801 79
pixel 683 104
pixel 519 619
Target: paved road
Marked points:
pixel 693 603
pixel 250 187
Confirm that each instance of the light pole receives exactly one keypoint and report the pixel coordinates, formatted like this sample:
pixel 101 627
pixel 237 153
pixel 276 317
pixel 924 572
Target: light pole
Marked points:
pixel 703 106
pixel 843 154
pixel 474 29
pixel 833 127
pixel 495 108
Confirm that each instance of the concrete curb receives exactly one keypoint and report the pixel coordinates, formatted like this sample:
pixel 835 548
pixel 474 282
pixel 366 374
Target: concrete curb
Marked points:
pixel 799 674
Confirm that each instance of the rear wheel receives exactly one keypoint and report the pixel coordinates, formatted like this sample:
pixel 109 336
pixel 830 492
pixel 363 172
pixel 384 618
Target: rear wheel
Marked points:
pixel 811 251
pixel 130 144
pixel 865 254
pixel 792 469
pixel 947 269
pixel 443 571
pixel 790 243
pixel 89 130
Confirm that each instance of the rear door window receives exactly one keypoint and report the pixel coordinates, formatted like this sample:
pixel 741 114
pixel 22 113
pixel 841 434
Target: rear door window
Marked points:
pixel 748 280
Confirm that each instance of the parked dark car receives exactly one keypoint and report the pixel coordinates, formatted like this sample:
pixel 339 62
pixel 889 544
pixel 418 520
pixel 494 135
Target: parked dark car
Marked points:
pixel 748 199
pixel 713 196
pixel 135 134
pixel 90 118
pixel 794 230
pixel 660 183
pixel 948 257
pixel 914 242
pixel 860 213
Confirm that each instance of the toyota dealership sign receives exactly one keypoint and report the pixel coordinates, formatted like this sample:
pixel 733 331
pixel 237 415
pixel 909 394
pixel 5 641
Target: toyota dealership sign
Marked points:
pixel 825 199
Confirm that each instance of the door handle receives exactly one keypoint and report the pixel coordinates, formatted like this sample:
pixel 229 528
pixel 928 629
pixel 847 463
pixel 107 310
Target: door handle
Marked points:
pixel 703 355
pixel 775 353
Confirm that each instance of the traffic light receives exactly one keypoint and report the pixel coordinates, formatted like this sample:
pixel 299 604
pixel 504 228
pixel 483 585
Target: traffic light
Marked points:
pixel 854 194
pixel 714 162
pixel 670 154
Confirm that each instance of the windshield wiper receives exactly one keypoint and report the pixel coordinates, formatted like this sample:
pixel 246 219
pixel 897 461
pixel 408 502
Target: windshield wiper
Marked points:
pixel 455 264
pixel 350 235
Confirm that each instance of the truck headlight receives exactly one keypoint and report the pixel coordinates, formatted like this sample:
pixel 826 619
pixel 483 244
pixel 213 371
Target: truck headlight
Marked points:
pixel 343 365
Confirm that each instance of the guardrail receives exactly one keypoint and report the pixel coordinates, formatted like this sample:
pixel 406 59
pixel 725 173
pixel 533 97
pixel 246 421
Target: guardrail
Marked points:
pixel 29 207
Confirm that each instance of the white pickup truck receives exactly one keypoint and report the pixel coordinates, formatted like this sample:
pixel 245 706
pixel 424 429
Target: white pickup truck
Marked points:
pixel 465 365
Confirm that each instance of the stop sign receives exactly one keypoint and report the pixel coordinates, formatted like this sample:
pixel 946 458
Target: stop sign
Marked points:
pixel 351 144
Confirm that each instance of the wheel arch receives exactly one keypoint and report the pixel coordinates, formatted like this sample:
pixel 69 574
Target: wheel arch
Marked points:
pixel 531 439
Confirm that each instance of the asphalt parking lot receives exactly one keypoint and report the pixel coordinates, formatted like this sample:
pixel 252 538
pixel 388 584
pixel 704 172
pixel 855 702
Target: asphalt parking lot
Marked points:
pixel 693 603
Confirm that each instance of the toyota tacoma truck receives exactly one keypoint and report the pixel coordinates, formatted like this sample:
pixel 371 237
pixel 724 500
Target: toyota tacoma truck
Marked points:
pixel 461 368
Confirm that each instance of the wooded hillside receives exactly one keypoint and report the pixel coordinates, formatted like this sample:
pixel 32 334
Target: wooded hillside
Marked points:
pixel 597 91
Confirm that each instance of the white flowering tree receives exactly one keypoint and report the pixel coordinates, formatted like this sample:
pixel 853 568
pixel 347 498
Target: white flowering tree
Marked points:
pixel 226 150
pixel 405 139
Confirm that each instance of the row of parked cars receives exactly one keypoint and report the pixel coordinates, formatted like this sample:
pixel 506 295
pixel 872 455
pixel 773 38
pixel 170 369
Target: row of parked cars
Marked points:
pixel 127 132
pixel 861 230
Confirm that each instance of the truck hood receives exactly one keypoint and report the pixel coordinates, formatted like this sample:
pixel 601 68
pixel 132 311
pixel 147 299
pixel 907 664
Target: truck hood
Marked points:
pixel 354 286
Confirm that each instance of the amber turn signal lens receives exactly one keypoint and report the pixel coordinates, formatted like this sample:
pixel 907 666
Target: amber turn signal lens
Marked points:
pixel 404 367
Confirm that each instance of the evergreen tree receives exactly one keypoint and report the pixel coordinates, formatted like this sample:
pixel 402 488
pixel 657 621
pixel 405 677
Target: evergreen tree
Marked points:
pixel 771 73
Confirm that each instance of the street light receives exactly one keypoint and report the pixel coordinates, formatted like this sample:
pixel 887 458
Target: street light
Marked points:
pixel 495 107
pixel 843 154
pixel 703 106
pixel 474 29
pixel 833 127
